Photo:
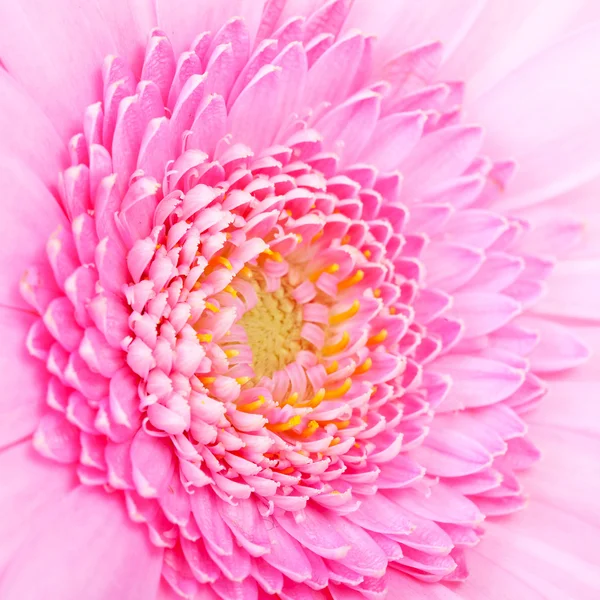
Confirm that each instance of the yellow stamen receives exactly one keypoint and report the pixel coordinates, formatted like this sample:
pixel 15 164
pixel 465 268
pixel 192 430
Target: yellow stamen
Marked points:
pixel 357 445
pixel 197 285
pixel 367 253
pixel 335 441
pixel 225 262
pixel 288 212
pixel 231 290
pixel 232 353
pixel 316 400
pixel 345 315
pixel 291 399
pixel 364 367
pixel 310 429
pixel 356 278
pixel 337 346
pixel 332 368
pixel 273 255
pixel 393 310
pixel 212 307
pixel 299 238
pixel 377 293
pixel 287 471
pixel 339 391
pixel 246 272
pixel 289 424
pixel 318 236
pixel 242 380
pixel 252 406
pixel 205 337
pixel 331 269
pixel 208 380
pixel 346 240
pixel 158 246
pixel 338 424
pixel 378 338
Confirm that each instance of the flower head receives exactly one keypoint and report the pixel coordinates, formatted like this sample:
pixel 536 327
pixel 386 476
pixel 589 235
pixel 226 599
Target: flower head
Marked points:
pixel 284 323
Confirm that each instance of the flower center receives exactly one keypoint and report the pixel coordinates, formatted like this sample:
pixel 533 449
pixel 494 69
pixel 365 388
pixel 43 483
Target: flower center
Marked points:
pixel 273 328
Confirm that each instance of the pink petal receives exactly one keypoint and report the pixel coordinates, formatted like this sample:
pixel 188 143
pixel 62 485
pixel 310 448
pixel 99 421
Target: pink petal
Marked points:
pixel 30 483
pixel 393 139
pixel 183 21
pixel 253 116
pixel 25 129
pixel 477 381
pixel 26 226
pixel 438 157
pixel 558 348
pixel 517 111
pixel 47 37
pixel 90 529
pixel 316 533
pixel 24 379
pixel 572 291
pixel 152 463
pixel 484 313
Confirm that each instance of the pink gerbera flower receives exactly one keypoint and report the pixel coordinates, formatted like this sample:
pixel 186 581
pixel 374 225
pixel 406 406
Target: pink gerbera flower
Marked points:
pixel 275 308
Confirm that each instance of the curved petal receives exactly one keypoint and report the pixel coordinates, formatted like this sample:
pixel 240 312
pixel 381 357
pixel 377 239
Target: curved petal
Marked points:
pixel 29 214
pixel 546 114
pixel 55 50
pixel 26 132
pixel 506 34
pixel 24 379
pixel 183 20
pixel 85 547
pixel 405 23
pixel 29 484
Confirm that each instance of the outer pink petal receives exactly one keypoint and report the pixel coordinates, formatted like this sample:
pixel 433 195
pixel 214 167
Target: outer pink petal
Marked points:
pixel 30 483
pixel 56 49
pixel 183 20
pixel 546 114
pixel 505 35
pixel 405 23
pixel 28 215
pixel 24 379
pixel 85 548
pixel 573 291
pixel 27 134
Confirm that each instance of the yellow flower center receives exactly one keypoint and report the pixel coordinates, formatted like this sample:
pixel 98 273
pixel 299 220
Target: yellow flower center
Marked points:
pixel 273 328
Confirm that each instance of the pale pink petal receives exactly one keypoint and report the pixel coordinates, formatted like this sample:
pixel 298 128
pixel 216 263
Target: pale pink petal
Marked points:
pixel 573 291
pixel 516 113
pixel 24 379
pixel 183 21
pixel 25 227
pixel 27 133
pixel 506 34
pixel 91 529
pixel 30 484
pixel 405 24
pixel 44 37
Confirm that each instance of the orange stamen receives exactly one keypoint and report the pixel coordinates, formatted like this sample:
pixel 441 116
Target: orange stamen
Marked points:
pixel 364 367
pixel 356 278
pixel 289 424
pixel 339 391
pixel 378 338
pixel 338 346
pixel 345 315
